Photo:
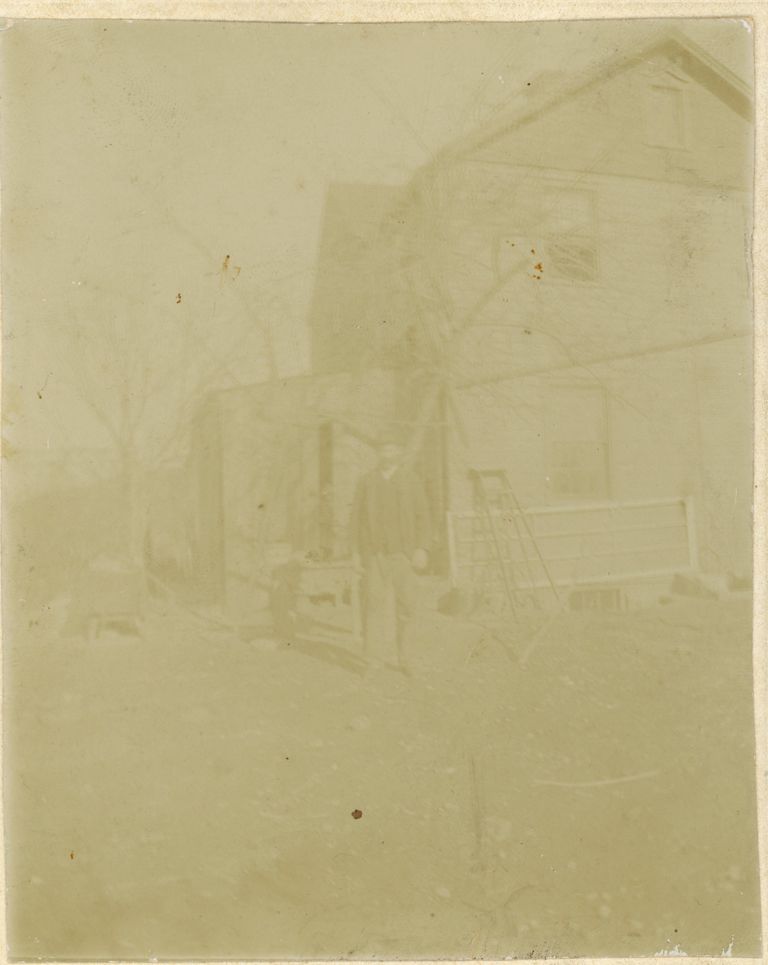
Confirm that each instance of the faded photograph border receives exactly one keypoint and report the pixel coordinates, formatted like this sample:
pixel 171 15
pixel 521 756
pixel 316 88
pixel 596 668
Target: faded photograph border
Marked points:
pixel 487 10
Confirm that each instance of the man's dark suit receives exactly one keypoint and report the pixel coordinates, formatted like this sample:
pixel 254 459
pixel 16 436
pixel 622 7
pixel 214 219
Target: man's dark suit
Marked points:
pixel 390 521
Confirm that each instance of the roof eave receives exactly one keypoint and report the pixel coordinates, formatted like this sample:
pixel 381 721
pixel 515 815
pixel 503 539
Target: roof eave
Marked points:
pixel 691 58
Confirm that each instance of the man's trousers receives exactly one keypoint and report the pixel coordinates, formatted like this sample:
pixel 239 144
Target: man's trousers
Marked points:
pixel 388 601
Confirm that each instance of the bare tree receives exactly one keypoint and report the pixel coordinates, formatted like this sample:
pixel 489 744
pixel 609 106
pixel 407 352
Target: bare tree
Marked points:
pixel 143 369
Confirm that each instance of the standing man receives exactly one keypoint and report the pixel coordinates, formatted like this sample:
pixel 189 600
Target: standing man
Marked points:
pixel 390 534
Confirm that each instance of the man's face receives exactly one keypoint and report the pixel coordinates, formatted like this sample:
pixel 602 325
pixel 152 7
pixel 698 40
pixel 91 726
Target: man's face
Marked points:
pixel 389 455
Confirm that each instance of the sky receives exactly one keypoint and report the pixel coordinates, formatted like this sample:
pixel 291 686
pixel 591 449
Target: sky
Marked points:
pixel 137 156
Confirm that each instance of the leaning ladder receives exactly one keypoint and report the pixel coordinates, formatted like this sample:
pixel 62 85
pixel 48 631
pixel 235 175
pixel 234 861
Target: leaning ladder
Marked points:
pixel 490 503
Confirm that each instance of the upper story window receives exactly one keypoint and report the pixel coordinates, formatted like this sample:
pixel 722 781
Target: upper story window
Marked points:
pixel 577 469
pixel 665 116
pixel 578 441
pixel 571 236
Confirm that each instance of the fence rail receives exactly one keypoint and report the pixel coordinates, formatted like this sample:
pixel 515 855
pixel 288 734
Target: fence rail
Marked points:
pixel 580 544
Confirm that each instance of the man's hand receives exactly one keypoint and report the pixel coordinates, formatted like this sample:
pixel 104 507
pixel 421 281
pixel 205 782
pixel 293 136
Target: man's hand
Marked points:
pixel 420 560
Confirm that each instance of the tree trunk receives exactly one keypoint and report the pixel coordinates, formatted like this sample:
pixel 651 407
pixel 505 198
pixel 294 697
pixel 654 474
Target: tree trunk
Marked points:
pixel 135 503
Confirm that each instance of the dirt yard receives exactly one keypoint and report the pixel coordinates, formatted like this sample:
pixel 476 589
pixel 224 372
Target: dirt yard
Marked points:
pixel 577 787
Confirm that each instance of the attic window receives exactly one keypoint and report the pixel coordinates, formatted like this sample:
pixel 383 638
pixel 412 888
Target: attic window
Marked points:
pixel 571 242
pixel 665 118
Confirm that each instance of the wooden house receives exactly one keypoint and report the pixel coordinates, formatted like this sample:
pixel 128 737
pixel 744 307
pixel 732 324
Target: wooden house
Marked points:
pixel 561 297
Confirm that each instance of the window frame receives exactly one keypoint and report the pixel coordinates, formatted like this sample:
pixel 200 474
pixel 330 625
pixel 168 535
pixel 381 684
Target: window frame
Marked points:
pixel 671 83
pixel 603 444
pixel 590 237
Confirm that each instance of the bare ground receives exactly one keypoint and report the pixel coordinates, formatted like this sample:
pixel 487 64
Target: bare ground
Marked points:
pixel 583 786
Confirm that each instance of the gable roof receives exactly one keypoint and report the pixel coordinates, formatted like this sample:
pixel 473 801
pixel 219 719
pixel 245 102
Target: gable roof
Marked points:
pixel 369 217
pixel 671 43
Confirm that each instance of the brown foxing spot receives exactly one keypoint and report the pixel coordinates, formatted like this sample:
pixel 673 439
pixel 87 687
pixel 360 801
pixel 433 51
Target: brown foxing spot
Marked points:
pixel 357 814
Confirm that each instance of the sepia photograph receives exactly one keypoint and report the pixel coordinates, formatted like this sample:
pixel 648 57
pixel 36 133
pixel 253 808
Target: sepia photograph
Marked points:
pixel 377 490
